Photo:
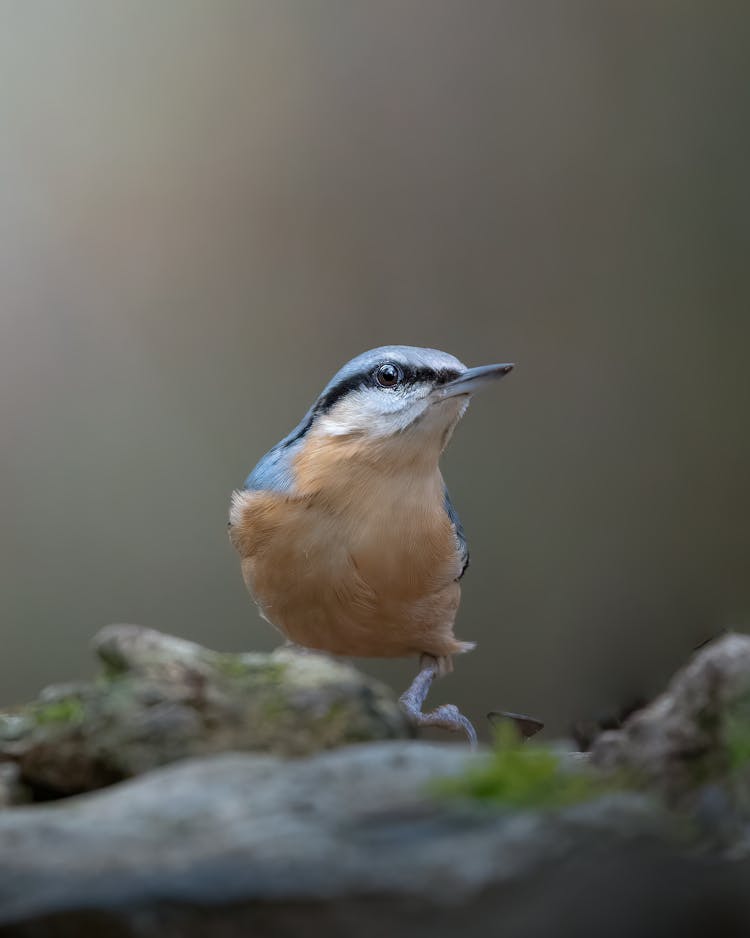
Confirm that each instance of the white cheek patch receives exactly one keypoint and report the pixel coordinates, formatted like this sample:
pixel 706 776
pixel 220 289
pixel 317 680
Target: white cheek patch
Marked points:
pixel 374 412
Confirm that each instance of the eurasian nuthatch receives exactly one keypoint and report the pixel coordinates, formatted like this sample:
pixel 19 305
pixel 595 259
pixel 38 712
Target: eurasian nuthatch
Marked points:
pixel 348 538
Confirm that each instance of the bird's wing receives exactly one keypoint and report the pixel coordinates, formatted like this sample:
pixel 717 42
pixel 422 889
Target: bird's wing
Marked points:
pixel 273 474
pixel 463 547
pixel 275 471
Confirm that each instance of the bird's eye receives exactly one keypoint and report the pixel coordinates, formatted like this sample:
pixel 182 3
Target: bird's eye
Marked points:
pixel 388 375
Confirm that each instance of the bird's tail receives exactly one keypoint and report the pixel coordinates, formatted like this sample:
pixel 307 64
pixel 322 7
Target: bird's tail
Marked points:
pixel 465 646
pixel 445 662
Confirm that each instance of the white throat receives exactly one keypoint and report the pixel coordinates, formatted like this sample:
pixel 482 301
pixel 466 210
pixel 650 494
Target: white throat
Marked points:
pixel 369 413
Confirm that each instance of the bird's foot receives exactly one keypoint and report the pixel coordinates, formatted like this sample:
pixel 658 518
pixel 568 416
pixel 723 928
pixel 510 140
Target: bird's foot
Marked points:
pixel 446 716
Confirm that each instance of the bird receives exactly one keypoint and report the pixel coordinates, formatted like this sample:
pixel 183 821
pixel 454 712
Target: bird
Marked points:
pixel 349 541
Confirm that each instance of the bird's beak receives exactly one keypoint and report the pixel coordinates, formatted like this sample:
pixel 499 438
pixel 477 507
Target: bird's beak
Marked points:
pixel 472 380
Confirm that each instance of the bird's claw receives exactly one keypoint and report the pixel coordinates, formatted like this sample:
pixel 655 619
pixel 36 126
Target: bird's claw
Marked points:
pixel 446 716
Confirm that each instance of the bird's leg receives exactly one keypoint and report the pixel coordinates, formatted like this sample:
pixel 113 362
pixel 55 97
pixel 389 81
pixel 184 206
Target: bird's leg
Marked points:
pixel 446 716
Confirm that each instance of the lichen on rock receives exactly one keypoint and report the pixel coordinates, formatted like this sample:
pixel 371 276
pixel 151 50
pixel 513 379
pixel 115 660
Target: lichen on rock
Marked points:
pixel 521 840
pixel 696 733
pixel 161 698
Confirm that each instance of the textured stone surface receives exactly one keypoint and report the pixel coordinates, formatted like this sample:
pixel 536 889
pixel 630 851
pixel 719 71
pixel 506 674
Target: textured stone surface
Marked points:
pixel 361 840
pixel 12 790
pixel 695 731
pixel 350 843
pixel 161 699
pixel 355 824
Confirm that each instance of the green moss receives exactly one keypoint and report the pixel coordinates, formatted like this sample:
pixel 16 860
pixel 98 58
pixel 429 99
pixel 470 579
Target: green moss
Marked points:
pixel 524 776
pixel 274 708
pixel 233 666
pixel 737 741
pixel 109 672
pixel 341 722
pixel 66 710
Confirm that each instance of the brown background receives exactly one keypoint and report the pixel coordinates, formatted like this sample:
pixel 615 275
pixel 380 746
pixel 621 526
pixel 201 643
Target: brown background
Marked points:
pixel 206 208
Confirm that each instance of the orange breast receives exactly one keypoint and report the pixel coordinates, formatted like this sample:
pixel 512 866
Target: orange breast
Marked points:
pixel 364 564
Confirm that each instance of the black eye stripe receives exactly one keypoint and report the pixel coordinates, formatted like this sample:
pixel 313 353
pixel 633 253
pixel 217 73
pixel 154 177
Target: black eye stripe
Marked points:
pixel 334 394
pixel 366 378
pixel 441 376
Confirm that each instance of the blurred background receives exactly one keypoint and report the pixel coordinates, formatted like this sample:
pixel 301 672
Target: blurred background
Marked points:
pixel 206 208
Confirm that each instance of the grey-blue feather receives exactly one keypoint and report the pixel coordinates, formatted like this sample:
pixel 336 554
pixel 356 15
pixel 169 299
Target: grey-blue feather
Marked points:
pixel 459 529
pixel 275 471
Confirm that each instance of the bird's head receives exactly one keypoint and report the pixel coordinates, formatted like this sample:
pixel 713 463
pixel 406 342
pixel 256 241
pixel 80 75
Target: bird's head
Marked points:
pixel 398 393
pixel 391 408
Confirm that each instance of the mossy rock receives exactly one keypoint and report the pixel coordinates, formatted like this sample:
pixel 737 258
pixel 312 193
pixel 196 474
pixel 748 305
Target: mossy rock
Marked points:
pixel 696 735
pixel 518 775
pixel 160 699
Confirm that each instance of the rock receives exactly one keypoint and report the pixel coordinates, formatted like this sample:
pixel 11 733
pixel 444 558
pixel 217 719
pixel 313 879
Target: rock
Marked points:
pixel 161 699
pixel 697 731
pixel 338 844
pixel 12 790
pixel 368 839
